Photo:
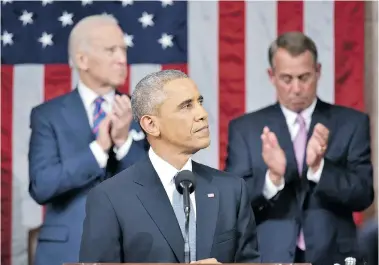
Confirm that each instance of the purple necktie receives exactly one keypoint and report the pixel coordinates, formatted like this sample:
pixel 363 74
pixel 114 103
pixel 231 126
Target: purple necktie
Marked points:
pixel 299 145
pixel 98 115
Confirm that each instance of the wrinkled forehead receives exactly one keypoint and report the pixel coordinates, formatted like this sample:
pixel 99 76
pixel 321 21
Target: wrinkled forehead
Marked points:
pixel 180 90
pixel 294 65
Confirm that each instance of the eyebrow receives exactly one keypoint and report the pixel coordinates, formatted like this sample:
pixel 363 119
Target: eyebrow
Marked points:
pixel 185 102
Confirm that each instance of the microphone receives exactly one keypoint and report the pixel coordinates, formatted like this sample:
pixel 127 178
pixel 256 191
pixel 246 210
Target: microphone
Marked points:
pixel 185 183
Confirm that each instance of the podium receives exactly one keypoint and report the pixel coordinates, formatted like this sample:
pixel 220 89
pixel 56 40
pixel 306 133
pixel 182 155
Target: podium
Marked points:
pixel 183 263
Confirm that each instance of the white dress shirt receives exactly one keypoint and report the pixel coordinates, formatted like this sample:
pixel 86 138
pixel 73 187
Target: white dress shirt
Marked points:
pixel 270 189
pixel 88 97
pixel 166 173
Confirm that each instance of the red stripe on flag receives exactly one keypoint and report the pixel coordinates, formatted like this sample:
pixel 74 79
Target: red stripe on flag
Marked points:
pixel 182 67
pixel 349 53
pixel 6 162
pixel 57 80
pixel 290 16
pixel 231 68
pixel 349 22
pixel 125 87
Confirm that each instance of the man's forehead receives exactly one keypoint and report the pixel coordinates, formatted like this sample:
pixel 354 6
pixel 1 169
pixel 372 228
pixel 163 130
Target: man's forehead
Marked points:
pixel 181 89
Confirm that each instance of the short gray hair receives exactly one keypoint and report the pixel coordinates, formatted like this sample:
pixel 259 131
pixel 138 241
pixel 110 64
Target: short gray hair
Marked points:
pixel 149 94
pixel 295 43
pixel 78 37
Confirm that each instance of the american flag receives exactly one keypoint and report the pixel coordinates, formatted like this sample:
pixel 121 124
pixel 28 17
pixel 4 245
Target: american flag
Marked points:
pixel 221 45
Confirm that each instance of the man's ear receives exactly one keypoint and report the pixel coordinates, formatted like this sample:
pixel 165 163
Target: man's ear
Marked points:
pixel 271 75
pixel 318 70
pixel 81 61
pixel 150 125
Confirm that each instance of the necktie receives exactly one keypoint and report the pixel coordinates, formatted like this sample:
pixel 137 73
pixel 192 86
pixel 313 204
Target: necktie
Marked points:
pixel 98 115
pixel 190 242
pixel 300 143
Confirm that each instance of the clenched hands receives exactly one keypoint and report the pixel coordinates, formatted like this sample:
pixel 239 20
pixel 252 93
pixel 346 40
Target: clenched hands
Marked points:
pixel 114 128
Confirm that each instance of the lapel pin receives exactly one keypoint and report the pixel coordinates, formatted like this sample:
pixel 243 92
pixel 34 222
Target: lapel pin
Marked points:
pixel 211 195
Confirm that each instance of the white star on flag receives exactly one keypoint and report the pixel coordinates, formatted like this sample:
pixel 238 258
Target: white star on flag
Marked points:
pixel 166 40
pixel 45 2
pixel 146 19
pixel 167 3
pixel 86 2
pixel 128 40
pixel 126 2
pixel 46 39
pixel 66 19
pixel 7 38
pixel 26 18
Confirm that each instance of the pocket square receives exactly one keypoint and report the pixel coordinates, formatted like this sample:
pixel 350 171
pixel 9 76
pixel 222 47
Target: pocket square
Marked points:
pixel 211 195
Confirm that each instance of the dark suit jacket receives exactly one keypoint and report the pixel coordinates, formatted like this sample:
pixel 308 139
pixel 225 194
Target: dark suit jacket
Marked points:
pixel 129 218
pixel 62 169
pixel 324 210
pixel 368 241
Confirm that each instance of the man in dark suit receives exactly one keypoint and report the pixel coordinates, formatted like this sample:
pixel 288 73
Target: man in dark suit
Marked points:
pixel 81 138
pixel 307 163
pixel 135 216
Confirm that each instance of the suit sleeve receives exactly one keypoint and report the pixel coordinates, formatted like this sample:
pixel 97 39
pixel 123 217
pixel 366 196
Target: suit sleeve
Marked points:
pixel 137 151
pixel 101 232
pixel 247 248
pixel 238 163
pixel 350 184
pixel 50 175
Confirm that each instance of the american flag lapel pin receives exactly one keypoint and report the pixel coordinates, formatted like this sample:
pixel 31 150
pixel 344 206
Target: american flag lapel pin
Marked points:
pixel 211 195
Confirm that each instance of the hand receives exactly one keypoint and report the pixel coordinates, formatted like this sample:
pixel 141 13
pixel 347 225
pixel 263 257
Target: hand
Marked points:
pixel 273 155
pixel 103 137
pixel 121 119
pixel 317 146
pixel 206 261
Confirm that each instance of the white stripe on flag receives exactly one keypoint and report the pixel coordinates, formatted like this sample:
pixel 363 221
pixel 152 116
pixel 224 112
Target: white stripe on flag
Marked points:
pixel 203 68
pixel 139 71
pixel 28 91
pixel 260 30
pixel 319 25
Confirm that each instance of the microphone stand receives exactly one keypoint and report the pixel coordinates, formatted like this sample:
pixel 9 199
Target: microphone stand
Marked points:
pixel 187 209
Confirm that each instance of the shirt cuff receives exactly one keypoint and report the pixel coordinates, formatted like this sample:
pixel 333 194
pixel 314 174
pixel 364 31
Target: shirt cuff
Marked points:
pixel 315 176
pixel 99 154
pixel 269 188
pixel 124 149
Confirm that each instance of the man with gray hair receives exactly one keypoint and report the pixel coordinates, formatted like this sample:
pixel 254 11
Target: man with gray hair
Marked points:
pixel 81 138
pixel 138 216
pixel 307 163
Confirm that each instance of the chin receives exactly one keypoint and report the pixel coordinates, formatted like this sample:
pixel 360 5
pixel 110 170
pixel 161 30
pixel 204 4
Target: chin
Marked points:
pixel 204 143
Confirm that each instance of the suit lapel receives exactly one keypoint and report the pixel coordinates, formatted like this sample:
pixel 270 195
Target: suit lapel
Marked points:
pixel 75 116
pixel 154 199
pixel 207 205
pixel 320 115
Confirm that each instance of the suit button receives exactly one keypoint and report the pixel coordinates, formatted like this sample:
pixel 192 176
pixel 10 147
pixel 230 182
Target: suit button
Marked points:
pixel 260 208
pixel 291 253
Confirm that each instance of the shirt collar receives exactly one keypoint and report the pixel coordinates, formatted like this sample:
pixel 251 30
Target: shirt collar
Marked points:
pixel 291 116
pixel 166 171
pixel 89 96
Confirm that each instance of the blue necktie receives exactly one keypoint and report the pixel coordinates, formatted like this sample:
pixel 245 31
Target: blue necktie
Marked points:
pixel 98 115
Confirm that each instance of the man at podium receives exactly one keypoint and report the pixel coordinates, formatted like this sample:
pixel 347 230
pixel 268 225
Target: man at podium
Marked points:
pixel 168 208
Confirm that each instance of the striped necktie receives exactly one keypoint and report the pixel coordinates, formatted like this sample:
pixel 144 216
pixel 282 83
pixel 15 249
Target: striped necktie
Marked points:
pixel 98 115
